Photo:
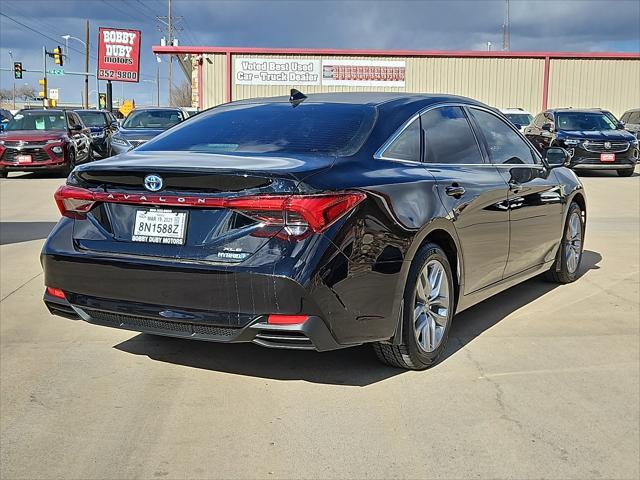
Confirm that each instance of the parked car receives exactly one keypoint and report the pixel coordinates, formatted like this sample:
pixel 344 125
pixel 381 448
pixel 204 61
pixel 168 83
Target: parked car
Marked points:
pixel 103 125
pixel 594 139
pixel 142 124
pixel 5 116
pixel 518 116
pixel 631 121
pixel 36 140
pixel 337 220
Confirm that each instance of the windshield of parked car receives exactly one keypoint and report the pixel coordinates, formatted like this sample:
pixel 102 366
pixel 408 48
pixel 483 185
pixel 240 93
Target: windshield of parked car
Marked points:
pixel 37 121
pixel 584 121
pixel 335 128
pixel 521 119
pixel 161 119
pixel 93 119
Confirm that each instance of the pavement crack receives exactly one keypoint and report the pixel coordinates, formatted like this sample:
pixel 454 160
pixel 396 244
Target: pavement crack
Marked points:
pixel 22 285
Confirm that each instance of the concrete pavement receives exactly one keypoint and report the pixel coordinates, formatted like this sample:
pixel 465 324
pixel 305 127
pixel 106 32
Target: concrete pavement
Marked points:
pixel 541 381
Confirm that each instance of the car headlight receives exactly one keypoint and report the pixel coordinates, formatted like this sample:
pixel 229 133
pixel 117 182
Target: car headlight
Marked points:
pixel 1 142
pixel 571 141
pixel 57 150
pixel 120 141
pixel 55 140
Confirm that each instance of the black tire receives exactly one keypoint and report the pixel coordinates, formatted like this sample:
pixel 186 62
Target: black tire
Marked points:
pixel 71 164
pixel 409 355
pixel 627 172
pixel 560 271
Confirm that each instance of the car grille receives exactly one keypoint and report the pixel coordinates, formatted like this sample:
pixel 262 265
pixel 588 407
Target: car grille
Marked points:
pixel 137 143
pixel 151 324
pixel 37 154
pixel 606 147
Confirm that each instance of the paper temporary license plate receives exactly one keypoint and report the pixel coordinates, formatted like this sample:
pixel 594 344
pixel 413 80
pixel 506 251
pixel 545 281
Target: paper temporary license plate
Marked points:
pixel 607 157
pixel 24 158
pixel 160 226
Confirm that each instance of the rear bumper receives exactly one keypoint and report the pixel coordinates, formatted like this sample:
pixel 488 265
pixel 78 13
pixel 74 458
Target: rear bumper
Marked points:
pixel 312 334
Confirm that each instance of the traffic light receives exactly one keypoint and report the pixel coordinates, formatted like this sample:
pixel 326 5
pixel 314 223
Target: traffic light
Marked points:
pixel 43 88
pixel 17 70
pixel 57 55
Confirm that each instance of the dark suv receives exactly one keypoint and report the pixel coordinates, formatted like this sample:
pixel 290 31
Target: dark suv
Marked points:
pixel 631 121
pixel 594 138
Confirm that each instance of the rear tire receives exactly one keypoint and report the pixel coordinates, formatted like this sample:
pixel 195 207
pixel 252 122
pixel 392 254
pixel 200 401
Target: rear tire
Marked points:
pixel 429 302
pixel 565 268
pixel 71 164
pixel 627 172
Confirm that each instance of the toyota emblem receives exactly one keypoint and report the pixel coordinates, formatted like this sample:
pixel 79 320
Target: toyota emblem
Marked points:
pixel 153 182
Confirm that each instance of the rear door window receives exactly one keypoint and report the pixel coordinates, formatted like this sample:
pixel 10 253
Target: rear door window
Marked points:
pixel 505 146
pixel 448 137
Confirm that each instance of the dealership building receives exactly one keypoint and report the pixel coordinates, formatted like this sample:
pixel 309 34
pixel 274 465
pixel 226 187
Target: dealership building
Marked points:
pixel 530 80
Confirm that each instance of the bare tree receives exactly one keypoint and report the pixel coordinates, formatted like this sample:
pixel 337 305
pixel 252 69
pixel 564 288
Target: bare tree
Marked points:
pixel 26 92
pixel 181 96
pixel 6 95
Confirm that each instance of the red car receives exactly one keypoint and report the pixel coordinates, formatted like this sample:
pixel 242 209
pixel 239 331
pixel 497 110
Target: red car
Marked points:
pixel 37 140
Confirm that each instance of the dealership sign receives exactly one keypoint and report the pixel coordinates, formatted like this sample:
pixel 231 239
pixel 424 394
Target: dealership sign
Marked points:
pixel 118 55
pixel 270 71
pixel 364 73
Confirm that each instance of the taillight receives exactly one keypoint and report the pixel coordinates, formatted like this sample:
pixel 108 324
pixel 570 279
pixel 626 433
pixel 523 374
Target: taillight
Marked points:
pixel 74 202
pixel 297 214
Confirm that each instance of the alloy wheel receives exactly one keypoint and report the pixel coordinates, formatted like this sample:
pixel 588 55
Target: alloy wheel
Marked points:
pixel 573 242
pixel 431 308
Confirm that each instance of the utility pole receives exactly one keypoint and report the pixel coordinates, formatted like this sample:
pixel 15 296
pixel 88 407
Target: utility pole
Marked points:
pixel 169 24
pixel 44 75
pixel 86 64
pixel 170 30
pixel 506 30
pixel 14 81
pixel 158 85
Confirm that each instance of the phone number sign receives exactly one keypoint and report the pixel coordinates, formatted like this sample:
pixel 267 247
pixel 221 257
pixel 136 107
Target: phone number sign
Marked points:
pixel 118 55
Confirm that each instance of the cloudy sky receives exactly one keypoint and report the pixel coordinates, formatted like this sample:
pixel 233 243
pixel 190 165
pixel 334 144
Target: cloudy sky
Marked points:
pixel 561 25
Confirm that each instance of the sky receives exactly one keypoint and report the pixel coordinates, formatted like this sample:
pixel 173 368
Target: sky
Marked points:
pixel 536 25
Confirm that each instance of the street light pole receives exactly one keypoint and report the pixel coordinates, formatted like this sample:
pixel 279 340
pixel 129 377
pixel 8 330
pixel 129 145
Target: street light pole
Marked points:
pixel 86 64
pixel 14 81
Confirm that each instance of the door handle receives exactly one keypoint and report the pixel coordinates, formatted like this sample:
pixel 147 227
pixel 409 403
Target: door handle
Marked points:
pixel 455 190
pixel 515 186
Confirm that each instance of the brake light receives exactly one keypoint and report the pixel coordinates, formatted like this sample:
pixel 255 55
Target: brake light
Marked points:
pixel 74 202
pixel 296 213
pixel 275 319
pixel 55 292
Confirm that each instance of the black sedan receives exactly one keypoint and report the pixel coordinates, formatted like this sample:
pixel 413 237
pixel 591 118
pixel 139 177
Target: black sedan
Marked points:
pixel 315 222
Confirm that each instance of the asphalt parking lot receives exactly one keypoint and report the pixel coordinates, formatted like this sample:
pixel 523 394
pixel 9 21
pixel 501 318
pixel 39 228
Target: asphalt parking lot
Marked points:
pixel 541 381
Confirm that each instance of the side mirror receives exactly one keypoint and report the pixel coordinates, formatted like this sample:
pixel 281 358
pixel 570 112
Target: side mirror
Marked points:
pixel 114 124
pixel 76 128
pixel 556 157
pixel 620 126
pixel 518 126
pixel 547 127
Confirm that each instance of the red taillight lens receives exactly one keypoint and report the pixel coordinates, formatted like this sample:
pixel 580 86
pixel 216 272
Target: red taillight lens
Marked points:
pixel 74 202
pixel 55 292
pixel 274 319
pixel 296 213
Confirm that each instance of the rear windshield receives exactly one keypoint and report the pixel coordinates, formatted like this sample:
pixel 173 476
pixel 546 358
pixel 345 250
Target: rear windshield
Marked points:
pixel 336 129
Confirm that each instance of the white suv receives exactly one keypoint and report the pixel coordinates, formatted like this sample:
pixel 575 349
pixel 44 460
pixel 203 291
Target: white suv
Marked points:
pixel 518 116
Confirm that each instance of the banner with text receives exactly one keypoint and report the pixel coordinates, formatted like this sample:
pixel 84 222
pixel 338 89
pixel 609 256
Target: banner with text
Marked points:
pixel 118 55
pixel 364 73
pixel 269 71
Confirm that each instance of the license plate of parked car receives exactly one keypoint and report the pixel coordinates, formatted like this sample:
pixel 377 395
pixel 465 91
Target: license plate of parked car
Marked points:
pixel 607 157
pixel 160 226
pixel 24 158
